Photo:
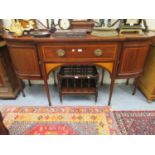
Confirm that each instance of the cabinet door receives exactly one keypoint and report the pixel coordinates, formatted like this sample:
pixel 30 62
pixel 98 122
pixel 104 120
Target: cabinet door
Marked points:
pixel 25 61
pixel 132 58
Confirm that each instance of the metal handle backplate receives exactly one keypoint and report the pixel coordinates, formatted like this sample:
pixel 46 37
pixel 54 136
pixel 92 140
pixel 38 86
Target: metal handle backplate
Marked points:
pixel 60 52
pixel 98 52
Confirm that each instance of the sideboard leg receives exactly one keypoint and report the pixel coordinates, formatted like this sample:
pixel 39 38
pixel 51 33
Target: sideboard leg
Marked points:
pixel 111 90
pixel 60 98
pixel 47 92
pixel 96 96
pixel 29 83
pixel 149 101
pixel 54 78
pixel 135 86
pixel 45 77
pixel 127 81
pixel 22 86
pixel 102 78
pixel 23 93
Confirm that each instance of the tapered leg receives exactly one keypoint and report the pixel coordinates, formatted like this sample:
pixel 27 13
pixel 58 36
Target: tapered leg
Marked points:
pixel 54 78
pixel 149 101
pixel 102 78
pixel 96 98
pixel 23 93
pixel 29 83
pixel 111 90
pixel 22 86
pixel 135 86
pixel 47 92
pixel 46 84
pixel 61 98
pixel 127 81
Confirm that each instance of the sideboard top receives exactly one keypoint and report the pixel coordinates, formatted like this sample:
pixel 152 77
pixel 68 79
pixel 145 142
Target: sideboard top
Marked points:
pixel 88 37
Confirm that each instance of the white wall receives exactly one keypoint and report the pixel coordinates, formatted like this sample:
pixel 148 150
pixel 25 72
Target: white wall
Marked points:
pixel 151 25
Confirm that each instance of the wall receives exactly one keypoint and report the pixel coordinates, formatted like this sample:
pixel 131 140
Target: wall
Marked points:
pixel 151 25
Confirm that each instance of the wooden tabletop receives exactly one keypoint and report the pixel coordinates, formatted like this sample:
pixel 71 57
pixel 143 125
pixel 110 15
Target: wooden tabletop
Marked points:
pixel 88 37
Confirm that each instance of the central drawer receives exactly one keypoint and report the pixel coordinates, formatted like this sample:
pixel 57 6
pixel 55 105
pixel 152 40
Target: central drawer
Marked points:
pixel 72 53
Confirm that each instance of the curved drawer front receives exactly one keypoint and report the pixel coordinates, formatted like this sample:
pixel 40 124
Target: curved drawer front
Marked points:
pixel 72 53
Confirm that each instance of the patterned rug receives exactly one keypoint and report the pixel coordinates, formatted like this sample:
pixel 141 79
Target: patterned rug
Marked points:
pixel 59 120
pixel 135 122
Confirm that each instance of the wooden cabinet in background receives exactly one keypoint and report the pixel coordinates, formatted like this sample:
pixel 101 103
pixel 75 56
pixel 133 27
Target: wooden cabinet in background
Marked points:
pixel 9 84
pixel 147 80
pixel 3 129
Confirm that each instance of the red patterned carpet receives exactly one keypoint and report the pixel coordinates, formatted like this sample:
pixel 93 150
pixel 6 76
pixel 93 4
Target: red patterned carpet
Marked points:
pixel 77 121
pixel 59 120
pixel 135 122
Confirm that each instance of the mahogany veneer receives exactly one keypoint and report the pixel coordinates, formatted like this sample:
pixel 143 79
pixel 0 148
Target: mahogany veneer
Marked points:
pixel 81 52
pixel 123 56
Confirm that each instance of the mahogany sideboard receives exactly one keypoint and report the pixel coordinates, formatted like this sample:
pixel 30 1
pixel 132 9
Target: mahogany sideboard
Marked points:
pixel 122 56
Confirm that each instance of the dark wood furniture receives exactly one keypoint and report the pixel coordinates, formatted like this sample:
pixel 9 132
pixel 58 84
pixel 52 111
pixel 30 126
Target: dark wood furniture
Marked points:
pixel 146 82
pixel 3 129
pixel 122 56
pixel 9 84
pixel 86 24
pixel 78 80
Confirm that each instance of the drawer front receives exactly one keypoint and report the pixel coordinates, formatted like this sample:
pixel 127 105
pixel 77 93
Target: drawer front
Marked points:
pixel 103 52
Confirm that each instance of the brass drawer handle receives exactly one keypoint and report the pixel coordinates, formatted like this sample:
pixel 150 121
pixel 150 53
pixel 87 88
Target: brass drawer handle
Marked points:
pixel 60 52
pixel 98 52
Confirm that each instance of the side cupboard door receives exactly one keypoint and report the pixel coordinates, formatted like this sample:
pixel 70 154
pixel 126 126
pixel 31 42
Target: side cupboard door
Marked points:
pixel 133 58
pixel 25 60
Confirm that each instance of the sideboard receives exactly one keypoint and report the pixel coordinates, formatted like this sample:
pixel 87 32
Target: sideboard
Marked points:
pixel 122 56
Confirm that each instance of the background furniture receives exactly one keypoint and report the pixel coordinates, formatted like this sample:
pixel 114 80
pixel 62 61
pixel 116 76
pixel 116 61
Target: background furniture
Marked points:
pixel 3 129
pixel 9 84
pixel 78 80
pixel 122 56
pixel 147 81
pixel 87 24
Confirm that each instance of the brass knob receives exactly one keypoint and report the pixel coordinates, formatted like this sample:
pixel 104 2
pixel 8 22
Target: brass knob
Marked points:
pixel 60 52
pixel 98 52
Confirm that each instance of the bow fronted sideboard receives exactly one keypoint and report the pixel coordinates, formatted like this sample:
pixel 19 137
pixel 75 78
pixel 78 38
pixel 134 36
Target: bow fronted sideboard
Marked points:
pixel 122 56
